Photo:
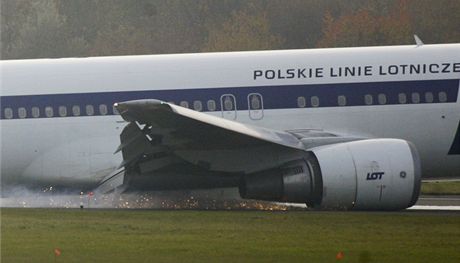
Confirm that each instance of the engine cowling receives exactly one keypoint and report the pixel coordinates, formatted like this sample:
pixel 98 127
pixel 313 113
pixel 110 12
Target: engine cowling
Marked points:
pixel 375 174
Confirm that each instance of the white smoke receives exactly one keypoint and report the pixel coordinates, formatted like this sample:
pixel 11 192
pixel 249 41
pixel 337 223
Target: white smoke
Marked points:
pixel 48 197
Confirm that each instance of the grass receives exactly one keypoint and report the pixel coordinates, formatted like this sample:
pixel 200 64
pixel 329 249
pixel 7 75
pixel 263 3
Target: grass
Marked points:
pixel 441 188
pixel 30 235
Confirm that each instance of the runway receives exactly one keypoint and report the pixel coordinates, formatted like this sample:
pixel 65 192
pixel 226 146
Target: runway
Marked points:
pixel 424 203
pixel 438 202
pixel 148 201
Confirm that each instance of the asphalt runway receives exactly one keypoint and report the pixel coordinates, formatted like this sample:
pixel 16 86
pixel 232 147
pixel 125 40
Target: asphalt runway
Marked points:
pixel 432 203
pixel 426 203
pixel 441 200
pixel 438 203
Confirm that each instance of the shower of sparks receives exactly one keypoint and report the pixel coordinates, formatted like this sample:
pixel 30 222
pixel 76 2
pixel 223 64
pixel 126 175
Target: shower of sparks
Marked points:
pixel 48 197
pixel 149 201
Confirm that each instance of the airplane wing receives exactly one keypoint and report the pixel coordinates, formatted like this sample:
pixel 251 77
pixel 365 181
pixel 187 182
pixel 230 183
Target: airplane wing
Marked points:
pixel 164 145
pixel 201 130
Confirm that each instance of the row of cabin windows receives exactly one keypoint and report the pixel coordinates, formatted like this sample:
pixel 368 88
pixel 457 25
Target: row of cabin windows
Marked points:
pixel 228 101
pixel 415 97
pixel 198 105
pixel 62 111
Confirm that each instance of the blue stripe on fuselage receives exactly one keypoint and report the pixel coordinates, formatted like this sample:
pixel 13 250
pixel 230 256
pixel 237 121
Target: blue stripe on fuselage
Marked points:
pixel 274 97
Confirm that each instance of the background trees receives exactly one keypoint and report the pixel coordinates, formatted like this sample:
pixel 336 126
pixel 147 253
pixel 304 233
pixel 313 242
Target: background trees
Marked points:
pixel 62 28
pixel 246 29
pixel 370 25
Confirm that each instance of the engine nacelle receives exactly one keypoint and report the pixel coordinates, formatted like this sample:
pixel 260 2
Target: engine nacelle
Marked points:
pixel 376 174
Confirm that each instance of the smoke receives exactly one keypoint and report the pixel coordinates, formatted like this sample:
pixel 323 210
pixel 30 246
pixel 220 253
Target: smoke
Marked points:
pixel 49 197
pixel 216 199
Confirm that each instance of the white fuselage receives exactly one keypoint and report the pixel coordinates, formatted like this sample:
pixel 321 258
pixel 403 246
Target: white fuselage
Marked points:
pixel 41 143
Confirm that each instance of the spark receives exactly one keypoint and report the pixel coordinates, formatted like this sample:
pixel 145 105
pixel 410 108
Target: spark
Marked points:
pixel 49 197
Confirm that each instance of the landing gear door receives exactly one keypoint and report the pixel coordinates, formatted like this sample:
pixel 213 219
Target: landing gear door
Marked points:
pixel 255 106
pixel 228 106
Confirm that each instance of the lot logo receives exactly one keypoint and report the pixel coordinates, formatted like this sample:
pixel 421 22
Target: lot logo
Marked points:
pixel 375 176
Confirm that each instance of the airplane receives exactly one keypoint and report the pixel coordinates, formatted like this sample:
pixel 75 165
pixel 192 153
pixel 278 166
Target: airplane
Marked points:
pixel 336 128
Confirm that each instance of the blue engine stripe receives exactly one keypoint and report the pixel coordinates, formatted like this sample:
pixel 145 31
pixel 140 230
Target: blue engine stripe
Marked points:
pixel 274 97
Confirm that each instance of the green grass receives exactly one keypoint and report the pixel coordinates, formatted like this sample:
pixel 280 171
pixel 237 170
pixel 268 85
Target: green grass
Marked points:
pixel 441 188
pixel 30 235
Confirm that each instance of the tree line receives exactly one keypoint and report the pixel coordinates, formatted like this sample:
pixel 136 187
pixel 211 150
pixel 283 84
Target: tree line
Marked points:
pixel 81 28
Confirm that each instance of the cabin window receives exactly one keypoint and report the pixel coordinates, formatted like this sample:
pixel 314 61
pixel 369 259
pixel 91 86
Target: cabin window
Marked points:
pixel 368 99
pixel 415 97
pixel 76 110
pixel 429 97
pixel 382 99
pixel 442 96
pixel 342 100
pixel 103 109
pixel 35 112
pixel 402 98
pixel 255 101
pixel 8 112
pixel 301 102
pixel 115 111
pixel 211 105
pixel 314 101
pixel 228 103
pixel 89 110
pixel 197 105
pixel 62 110
pixel 49 112
pixel 184 104
pixel 22 112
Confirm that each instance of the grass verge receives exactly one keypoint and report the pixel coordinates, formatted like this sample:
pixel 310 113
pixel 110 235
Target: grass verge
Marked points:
pixel 30 235
pixel 441 188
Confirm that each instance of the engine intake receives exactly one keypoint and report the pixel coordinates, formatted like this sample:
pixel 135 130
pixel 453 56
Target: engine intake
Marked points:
pixel 292 182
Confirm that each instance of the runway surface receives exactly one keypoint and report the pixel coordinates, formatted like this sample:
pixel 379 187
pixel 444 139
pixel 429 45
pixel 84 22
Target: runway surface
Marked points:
pixel 441 202
pixel 425 203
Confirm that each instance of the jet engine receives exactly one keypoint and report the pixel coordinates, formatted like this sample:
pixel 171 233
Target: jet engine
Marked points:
pixel 375 174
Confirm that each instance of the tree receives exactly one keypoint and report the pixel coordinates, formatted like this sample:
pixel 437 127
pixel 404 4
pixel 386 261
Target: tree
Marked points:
pixel 63 28
pixel 35 29
pixel 436 21
pixel 366 27
pixel 244 30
